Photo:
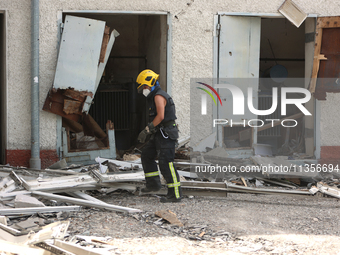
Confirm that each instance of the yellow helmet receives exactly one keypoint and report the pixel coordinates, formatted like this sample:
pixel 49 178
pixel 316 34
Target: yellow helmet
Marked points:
pixel 146 77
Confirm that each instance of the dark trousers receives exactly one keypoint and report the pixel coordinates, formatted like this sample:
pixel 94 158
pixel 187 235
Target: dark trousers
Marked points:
pixel 164 149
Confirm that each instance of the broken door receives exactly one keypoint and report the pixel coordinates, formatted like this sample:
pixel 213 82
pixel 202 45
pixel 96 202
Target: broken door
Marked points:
pixel 84 50
pixel 239 53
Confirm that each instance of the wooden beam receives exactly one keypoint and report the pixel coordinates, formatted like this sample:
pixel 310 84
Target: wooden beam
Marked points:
pixel 328 22
pixel 322 22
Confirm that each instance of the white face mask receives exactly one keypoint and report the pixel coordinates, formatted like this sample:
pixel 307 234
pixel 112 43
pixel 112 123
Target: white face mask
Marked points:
pixel 146 92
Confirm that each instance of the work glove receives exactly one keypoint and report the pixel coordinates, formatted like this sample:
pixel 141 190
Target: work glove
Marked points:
pixel 148 130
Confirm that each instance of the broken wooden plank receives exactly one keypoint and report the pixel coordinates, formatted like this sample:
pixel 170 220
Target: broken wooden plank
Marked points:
pixel 33 210
pixel 105 42
pixel 244 182
pixel 169 216
pixel 330 191
pixel 86 203
pixel 54 103
pixel 246 134
pixel 328 22
pixel 72 106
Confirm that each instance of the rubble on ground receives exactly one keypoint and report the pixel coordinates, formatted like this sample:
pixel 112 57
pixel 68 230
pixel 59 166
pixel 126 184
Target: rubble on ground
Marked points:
pixel 35 204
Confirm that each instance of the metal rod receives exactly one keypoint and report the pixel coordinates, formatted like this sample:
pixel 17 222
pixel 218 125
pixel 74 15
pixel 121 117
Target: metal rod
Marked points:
pixel 270 45
pixel 86 203
pixel 33 210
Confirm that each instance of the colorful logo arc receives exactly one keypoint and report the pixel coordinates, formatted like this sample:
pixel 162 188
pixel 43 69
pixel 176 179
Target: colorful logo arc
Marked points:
pixel 209 93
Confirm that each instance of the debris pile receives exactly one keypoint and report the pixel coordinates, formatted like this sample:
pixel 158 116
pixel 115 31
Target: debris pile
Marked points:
pixel 35 204
pixel 168 220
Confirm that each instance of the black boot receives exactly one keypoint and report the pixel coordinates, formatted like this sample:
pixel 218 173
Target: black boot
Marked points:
pixel 152 184
pixel 171 196
pixel 170 200
pixel 148 189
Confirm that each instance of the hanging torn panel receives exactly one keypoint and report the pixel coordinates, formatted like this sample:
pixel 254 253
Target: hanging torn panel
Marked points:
pixel 326 63
pixel 84 49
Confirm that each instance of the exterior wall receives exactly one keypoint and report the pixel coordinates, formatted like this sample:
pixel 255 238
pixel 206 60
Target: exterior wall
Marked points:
pixel 329 128
pixel 192 56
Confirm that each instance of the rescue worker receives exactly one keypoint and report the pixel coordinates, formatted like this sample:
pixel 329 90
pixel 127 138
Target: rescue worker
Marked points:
pixel 162 133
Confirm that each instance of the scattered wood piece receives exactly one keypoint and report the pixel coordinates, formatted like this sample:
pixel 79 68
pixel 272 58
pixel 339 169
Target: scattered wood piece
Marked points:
pixel 244 182
pixel 326 189
pixel 237 182
pixel 169 216
pixel 202 234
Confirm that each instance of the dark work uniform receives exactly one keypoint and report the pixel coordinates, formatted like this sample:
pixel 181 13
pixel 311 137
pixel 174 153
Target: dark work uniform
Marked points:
pixel 162 144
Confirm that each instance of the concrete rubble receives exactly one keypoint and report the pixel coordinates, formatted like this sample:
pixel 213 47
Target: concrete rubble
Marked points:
pixel 35 204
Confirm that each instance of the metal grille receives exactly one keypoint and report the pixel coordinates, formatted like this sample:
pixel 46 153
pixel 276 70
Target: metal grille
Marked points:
pixel 114 106
pixel 265 103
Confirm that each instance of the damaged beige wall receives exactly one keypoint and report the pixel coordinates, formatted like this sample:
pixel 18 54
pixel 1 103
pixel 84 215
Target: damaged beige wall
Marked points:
pixel 18 65
pixel 330 120
pixel 192 53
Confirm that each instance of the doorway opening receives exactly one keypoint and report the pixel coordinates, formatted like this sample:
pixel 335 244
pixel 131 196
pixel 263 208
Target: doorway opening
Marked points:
pixel 282 64
pixel 142 44
pixel 272 50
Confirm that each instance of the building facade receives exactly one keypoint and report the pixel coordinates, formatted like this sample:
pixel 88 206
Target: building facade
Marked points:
pixel 181 40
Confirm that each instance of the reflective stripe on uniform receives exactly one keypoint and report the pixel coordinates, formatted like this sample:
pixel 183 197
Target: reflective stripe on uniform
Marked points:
pixel 174 177
pixel 172 185
pixel 152 174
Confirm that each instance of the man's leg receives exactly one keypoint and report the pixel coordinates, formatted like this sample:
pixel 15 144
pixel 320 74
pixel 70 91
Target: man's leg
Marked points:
pixel 151 173
pixel 169 171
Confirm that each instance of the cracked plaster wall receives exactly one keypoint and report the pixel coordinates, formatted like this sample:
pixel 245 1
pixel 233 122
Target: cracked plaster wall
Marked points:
pixel 192 52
